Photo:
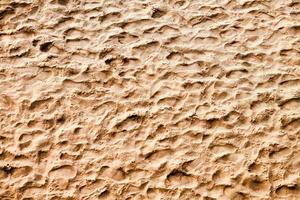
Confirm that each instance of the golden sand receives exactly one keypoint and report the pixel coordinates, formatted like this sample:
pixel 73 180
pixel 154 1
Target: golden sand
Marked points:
pixel 149 99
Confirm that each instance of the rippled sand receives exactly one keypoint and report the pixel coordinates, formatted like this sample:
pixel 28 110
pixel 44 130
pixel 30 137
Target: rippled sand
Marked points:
pixel 149 99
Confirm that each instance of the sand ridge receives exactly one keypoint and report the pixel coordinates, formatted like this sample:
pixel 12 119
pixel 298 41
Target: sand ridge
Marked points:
pixel 149 99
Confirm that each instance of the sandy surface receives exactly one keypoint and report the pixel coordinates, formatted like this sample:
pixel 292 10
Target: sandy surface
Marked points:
pixel 149 99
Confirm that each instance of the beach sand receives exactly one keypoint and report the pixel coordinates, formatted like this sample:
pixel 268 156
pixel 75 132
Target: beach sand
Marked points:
pixel 149 99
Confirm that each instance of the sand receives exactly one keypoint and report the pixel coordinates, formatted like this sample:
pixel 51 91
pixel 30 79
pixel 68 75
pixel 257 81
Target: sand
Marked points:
pixel 149 99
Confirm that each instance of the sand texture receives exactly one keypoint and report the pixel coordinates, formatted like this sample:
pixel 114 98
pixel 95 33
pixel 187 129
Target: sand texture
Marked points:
pixel 150 99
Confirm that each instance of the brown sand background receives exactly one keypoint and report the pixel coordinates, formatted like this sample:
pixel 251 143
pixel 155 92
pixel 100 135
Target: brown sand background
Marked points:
pixel 149 99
